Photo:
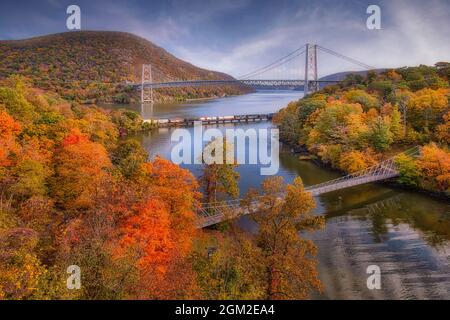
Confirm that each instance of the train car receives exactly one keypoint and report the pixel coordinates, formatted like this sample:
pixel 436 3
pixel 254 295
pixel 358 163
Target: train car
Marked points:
pixel 177 120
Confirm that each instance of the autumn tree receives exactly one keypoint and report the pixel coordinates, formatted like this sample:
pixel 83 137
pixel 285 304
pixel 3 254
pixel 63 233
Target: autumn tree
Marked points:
pixel 90 241
pixel 294 118
pixel 354 161
pixel 331 124
pixel 9 128
pixel 289 266
pixel 228 266
pixel 426 107
pixel 80 167
pixel 219 177
pixel 408 171
pixel 30 176
pixel 180 190
pixel 13 97
pixel 434 165
pixel 62 203
pixel 402 98
pixel 363 98
pixel 380 135
pixel 129 157
pixel 149 233
pixel 172 194
pixel 97 125
pixel 443 130
pixel 159 249
pixel 20 268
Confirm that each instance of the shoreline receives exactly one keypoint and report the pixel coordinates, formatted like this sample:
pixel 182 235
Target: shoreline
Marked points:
pixel 301 151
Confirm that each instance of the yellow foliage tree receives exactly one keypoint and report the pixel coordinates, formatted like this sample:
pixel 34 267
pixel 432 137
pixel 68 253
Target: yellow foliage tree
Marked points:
pixel 354 161
pixel 426 105
pixel 443 130
pixel 434 164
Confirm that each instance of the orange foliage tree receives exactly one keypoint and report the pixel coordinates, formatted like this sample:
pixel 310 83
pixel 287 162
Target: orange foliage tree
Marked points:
pixel 179 189
pixel 434 164
pixel 443 130
pixel 149 232
pixel 150 239
pixel 354 161
pixel 9 128
pixel 80 167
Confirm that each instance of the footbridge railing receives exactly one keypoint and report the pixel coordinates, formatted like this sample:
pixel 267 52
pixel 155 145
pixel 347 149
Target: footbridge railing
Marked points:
pixel 213 213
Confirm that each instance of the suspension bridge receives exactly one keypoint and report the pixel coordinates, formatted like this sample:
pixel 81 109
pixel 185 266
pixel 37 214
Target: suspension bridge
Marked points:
pixel 213 213
pixel 296 70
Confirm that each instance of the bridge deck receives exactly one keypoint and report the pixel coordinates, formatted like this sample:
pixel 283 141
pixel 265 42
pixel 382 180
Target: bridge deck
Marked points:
pixel 232 209
pixel 216 213
pixel 316 191
pixel 269 83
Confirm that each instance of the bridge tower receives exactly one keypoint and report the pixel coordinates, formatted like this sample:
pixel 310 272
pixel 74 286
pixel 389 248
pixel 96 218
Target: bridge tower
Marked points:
pixel 311 74
pixel 146 93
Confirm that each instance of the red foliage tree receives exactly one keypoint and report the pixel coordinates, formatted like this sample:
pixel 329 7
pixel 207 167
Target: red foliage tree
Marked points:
pixel 80 168
pixel 9 128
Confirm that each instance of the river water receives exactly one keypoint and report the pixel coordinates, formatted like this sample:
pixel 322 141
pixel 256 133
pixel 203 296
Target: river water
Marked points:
pixel 405 234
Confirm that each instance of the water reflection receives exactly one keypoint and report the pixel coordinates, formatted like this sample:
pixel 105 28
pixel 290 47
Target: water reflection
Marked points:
pixel 405 234
pixel 431 218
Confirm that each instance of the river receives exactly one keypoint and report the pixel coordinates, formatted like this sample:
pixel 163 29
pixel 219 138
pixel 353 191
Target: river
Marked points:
pixel 406 234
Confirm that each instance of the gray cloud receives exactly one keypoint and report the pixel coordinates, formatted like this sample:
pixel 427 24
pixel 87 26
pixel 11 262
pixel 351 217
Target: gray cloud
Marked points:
pixel 241 35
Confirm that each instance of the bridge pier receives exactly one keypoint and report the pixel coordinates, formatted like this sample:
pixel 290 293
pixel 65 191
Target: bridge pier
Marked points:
pixel 146 91
pixel 311 74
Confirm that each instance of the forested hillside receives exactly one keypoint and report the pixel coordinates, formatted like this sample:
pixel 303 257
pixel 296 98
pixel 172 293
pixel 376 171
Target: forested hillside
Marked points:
pixel 353 125
pixel 72 193
pixel 96 65
pixel 117 217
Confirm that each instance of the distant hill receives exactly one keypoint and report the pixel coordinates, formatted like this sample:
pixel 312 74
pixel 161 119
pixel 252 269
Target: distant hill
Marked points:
pixel 341 75
pixel 95 65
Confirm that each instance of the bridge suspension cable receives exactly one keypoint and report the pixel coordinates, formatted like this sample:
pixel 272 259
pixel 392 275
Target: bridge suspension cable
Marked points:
pixel 274 64
pixel 336 54
pixel 284 74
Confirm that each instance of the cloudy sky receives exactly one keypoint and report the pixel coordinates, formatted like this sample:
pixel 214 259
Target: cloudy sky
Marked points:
pixel 238 36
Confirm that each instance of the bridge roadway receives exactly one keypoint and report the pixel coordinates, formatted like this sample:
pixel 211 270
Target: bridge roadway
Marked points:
pixel 322 189
pixel 264 83
pixel 233 209
pixel 210 214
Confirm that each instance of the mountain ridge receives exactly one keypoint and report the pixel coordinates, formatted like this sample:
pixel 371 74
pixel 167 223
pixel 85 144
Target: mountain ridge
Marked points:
pixel 339 76
pixel 70 62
